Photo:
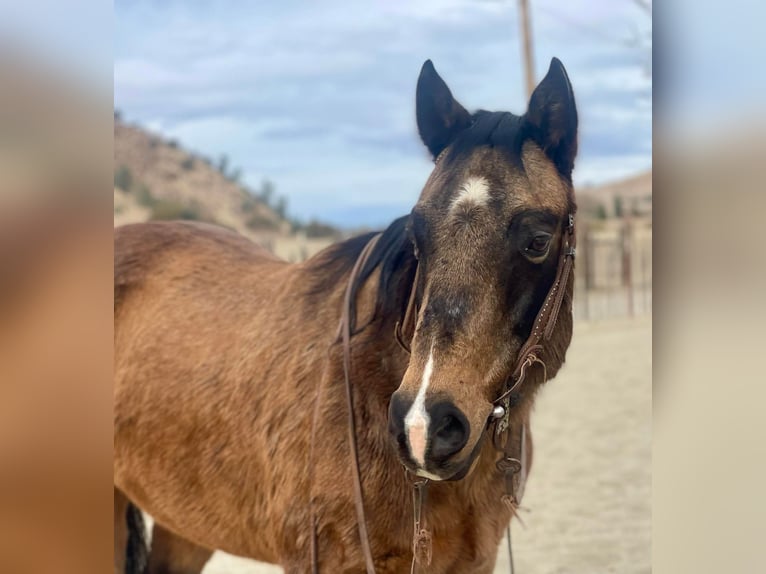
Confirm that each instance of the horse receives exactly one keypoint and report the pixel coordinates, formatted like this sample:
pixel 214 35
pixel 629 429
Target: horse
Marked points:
pixel 241 380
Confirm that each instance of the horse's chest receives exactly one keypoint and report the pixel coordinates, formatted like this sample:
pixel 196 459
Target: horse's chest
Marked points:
pixel 465 537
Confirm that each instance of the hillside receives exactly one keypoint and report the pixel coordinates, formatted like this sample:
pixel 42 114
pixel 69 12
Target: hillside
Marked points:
pixel 157 170
pixel 631 195
pixel 155 178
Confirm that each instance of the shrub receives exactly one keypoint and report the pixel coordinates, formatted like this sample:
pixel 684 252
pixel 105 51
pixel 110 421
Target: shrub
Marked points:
pixel 223 164
pixel 249 204
pixel 144 196
pixel 188 164
pixel 235 175
pixel 257 222
pixel 280 206
pixel 165 209
pixel 317 229
pixel 296 225
pixel 267 192
pixel 123 179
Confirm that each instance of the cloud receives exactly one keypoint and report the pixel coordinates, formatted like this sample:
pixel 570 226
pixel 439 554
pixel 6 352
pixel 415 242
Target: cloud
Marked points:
pixel 320 97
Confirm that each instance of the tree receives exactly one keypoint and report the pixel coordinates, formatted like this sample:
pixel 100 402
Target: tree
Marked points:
pixel 223 164
pixel 281 206
pixel 267 192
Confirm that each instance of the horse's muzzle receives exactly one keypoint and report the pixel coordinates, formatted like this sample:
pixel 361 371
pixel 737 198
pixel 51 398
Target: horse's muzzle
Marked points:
pixel 427 436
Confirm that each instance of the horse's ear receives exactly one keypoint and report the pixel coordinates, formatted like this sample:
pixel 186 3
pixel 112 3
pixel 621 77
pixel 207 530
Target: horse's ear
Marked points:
pixel 440 117
pixel 552 117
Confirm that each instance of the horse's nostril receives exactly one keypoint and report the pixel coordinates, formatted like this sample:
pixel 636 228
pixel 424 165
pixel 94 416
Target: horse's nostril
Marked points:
pixel 396 413
pixel 448 428
pixel 449 433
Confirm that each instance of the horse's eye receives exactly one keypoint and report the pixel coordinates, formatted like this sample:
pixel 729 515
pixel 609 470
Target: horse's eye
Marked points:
pixel 538 246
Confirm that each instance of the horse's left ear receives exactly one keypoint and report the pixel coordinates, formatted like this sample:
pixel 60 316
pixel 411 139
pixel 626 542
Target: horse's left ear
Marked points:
pixel 552 117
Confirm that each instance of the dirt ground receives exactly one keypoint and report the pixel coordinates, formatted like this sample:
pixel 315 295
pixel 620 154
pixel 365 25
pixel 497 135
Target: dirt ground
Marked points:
pixel 589 494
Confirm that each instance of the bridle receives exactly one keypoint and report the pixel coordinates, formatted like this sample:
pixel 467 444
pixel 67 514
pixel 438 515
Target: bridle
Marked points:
pixel 513 462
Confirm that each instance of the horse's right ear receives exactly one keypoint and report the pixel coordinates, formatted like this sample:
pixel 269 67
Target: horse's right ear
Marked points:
pixel 440 117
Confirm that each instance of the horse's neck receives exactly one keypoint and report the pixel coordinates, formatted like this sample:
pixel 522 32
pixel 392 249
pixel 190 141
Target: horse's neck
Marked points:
pixel 380 361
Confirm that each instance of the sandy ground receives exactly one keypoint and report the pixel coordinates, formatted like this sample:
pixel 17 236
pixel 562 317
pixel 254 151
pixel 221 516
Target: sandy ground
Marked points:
pixel 589 495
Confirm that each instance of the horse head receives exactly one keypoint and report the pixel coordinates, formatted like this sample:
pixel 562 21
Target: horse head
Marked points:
pixel 486 232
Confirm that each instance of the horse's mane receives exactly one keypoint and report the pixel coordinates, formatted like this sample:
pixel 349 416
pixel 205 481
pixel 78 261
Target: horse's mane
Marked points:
pixel 393 254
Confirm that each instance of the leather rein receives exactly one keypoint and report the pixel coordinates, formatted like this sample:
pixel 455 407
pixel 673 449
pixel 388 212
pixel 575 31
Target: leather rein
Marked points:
pixel 513 462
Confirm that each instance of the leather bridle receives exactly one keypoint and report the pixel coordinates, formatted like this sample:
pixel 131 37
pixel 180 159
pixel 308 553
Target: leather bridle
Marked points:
pixel 513 461
pixel 515 466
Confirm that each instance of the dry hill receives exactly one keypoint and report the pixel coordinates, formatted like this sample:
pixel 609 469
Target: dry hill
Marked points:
pixel 155 178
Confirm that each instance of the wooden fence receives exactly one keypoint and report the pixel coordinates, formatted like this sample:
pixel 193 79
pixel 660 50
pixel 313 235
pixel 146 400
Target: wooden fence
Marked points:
pixel 613 270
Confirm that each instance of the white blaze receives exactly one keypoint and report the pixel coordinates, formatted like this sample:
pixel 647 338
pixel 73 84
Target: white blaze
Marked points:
pixel 417 419
pixel 474 191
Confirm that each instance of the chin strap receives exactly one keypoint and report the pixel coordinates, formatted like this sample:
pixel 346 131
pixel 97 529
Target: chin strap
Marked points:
pixel 422 539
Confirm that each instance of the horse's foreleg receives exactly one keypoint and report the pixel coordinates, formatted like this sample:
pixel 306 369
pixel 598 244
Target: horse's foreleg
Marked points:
pixel 129 536
pixel 120 531
pixel 172 554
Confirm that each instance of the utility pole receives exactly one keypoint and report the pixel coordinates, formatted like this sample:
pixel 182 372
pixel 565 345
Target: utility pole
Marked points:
pixel 526 38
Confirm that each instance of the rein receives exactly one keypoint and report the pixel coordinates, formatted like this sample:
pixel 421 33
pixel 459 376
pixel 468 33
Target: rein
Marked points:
pixel 513 462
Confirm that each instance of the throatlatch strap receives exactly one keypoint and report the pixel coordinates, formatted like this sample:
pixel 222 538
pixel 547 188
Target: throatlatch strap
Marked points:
pixel 404 330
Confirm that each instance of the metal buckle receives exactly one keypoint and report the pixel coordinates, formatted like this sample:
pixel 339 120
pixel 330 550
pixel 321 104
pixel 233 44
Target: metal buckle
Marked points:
pixel 571 222
pixel 570 252
pixel 508 465
pixel 504 422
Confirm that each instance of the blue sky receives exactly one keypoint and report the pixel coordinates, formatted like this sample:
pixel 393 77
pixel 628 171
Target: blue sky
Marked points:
pixel 319 96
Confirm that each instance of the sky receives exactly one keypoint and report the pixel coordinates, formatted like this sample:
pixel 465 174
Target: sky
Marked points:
pixel 319 97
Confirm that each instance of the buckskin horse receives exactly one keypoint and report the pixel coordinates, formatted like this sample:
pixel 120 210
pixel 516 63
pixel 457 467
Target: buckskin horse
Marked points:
pixel 294 413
